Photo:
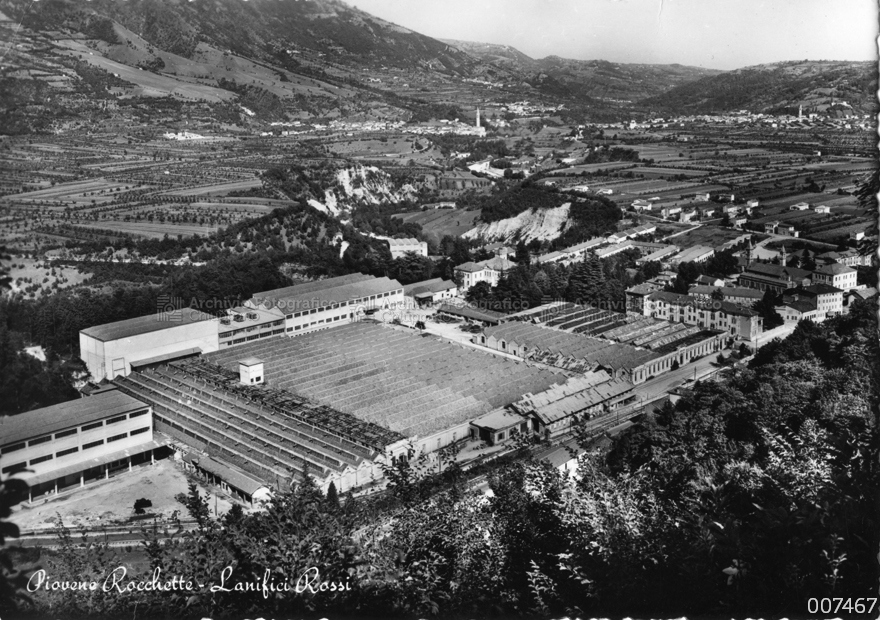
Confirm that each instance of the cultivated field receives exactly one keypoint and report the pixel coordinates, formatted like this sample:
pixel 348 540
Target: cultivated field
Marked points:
pixel 442 222
pixel 155 231
pixel 217 189
pixel 712 236
pixel 593 168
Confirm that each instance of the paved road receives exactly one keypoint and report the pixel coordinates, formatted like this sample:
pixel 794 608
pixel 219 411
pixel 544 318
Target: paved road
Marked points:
pixel 696 226
pixel 781 332
pixel 703 367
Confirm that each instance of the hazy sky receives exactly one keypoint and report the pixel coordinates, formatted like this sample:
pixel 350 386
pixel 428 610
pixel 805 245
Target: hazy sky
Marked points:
pixel 720 34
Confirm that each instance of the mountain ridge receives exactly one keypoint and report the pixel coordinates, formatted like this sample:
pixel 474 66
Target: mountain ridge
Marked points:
pixel 264 61
pixel 785 86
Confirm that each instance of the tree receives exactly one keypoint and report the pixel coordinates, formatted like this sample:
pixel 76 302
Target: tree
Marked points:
pixel 479 294
pixel 522 256
pixel 140 505
pixel 766 307
pixel 807 261
pixel 196 505
pixel 332 496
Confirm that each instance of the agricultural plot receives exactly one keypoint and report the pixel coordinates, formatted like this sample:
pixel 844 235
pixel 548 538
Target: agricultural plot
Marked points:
pixel 663 153
pixel 355 147
pixel 77 193
pixel 203 213
pixel 863 165
pixel 641 187
pixel 653 172
pixel 155 230
pixel 839 202
pixel 712 236
pixel 593 168
pixel 442 222
pixel 839 235
pixel 775 205
pixel 217 189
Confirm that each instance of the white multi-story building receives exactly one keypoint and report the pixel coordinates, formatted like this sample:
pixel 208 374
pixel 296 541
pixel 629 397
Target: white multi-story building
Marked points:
pixel 490 271
pixel 72 444
pixel 836 275
pixel 332 302
pixel 734 319
pixel 248 323
pixel 399 247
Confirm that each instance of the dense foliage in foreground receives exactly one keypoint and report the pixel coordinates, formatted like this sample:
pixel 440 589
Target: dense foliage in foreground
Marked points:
pixel 747 497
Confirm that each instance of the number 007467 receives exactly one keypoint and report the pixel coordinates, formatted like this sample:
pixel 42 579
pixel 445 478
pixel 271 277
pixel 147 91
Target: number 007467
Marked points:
pixel 837 605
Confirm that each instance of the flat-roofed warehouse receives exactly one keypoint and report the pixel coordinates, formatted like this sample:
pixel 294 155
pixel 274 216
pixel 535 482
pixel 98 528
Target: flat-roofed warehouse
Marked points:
pixel 111 349
pixel 423 387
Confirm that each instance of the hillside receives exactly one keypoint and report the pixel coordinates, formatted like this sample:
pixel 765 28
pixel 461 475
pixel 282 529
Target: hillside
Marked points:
pixel 501 56
pixel 264 30
pixel 596 79
pixel 265 60
pixel 778 87
pixel 541 224
pixel 246 63
pixel 234 61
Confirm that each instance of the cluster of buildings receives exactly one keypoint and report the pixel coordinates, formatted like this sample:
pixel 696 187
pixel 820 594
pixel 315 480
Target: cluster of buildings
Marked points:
pixel 446 127
pixel 744 117
pixel 603 246
pixel 526 108
pixel 582 339
pixel 300 381
pixel 306 380
pixel 727 305
pixel 377 126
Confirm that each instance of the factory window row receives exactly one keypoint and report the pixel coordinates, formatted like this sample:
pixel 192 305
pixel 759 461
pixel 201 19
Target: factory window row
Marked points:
pixel 296 328
pixel 68 432
pixel 252 328
pixel 343 304
pixel 47 457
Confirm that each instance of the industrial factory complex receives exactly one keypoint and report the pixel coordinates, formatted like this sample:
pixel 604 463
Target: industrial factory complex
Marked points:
pixel 319 380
